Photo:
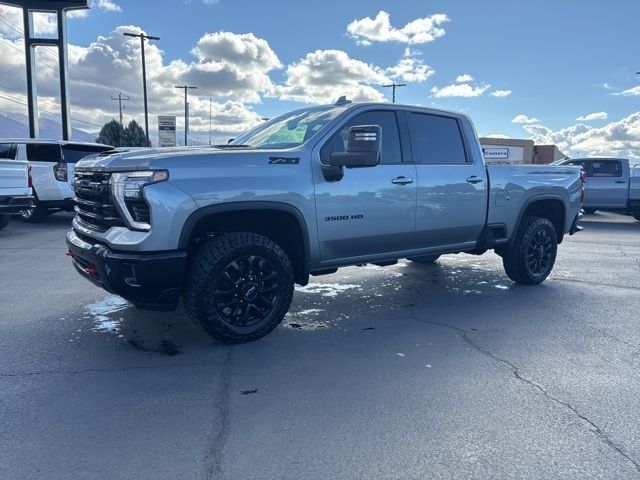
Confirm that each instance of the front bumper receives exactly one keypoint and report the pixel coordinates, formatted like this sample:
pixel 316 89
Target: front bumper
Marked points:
pixel 149 280
pixel 13 204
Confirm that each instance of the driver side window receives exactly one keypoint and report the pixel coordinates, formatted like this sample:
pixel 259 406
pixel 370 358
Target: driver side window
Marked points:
pixel 385 119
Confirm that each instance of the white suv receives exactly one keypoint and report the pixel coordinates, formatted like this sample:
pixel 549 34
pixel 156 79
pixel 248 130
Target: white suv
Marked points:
pixel 51 164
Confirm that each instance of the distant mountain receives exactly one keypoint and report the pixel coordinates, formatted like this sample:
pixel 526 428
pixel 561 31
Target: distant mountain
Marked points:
pixel 16 125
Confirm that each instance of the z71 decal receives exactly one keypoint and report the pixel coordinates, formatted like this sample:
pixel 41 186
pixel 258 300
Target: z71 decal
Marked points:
pixel 284 161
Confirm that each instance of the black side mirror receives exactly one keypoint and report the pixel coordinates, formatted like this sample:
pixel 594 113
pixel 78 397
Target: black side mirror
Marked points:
pixel 363 148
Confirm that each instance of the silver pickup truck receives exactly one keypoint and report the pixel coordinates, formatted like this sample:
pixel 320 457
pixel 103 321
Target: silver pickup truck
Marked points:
pixel 611 185
pixel 232 228
pixel 15 185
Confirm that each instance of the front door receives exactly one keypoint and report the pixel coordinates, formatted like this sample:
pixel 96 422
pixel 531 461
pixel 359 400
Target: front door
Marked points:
pixel 370 210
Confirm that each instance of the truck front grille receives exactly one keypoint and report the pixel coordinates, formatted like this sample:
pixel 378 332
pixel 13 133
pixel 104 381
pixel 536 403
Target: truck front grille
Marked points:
pixel 95 207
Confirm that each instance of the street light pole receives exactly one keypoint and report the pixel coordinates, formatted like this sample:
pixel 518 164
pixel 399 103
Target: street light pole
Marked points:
pixel 394 85
pixel 144 37
pixel 186 89
pixel 209 121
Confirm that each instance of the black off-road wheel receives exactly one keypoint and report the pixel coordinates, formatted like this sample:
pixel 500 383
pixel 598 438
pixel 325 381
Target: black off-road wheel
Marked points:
pixel 636 215
pixel 4 221
pixel 239 287
pixel 424 259
pixel 530 259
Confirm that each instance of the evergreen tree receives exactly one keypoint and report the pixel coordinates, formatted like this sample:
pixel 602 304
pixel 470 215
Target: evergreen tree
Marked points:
pixel 134 136
pixel 112 134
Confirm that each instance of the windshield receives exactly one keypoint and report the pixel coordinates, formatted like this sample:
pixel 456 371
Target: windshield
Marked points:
pixel 289 130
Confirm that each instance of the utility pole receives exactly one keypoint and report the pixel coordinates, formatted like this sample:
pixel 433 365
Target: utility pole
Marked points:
pixel 144 37
pixel 394 85
pixel 209 121
pixel 120 98
pixel 186 89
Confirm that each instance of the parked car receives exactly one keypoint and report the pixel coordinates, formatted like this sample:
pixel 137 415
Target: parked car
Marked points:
pixel 52 165
pixel 15 188
pixel 231 229
pixel 611 185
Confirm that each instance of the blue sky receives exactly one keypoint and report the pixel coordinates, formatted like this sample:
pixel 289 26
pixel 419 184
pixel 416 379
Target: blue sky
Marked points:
pixel 559 60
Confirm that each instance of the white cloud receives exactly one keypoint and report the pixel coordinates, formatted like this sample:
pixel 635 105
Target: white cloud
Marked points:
pixel 325 75
pixel 620 138
pixel 496 135
pixel 410 69
pixel 630 91
pixel 464 78
pixel 421 30
pixel 524 119
pixel 500 93
pixel 593 116
pixel 460 90
pixel 107 5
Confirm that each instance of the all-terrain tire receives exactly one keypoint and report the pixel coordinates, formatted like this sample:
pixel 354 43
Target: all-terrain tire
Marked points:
pixel 4 221
pixel 36 214
pixel 207 268
pixel 517 259
pixel 424 259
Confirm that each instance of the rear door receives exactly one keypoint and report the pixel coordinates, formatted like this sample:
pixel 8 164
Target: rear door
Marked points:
pixel 452 185
pixel 371 210
pixel 13 172
pixel 607 184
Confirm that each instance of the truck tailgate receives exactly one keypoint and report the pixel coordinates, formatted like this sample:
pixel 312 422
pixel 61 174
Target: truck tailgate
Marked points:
pixel 14 178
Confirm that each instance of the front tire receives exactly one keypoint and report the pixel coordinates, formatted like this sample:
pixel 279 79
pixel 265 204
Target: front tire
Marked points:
pixel 239 287
pixel 530 259
pixel 4 221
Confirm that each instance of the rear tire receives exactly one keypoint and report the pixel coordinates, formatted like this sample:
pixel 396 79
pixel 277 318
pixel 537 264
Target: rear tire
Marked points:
pixel 239 287
pixel 589 211
pixel 4 221
pixel 636 215
pixel 424 259
pixel 530 259
pixel 35 214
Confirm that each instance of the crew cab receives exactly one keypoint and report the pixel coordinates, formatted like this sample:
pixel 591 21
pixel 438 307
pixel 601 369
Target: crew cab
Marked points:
pixel 611 185
pixel 51 163
pixel 15 188
pixel 230 229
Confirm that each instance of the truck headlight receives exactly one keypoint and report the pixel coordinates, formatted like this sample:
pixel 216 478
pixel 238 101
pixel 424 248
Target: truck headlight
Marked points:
pixel 128 187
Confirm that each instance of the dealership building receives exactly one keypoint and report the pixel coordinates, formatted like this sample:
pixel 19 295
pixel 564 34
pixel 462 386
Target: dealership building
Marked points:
pixel 515 151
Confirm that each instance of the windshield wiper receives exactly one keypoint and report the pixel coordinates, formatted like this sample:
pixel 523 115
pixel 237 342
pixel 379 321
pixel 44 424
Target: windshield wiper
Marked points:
pixel 232 146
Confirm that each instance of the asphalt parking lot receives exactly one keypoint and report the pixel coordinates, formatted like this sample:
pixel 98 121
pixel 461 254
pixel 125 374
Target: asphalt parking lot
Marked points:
pixel 405 372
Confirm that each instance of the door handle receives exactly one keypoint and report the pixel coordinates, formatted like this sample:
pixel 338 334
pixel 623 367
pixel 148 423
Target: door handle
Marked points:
pixel 474 179
pixel 620 181
pixel 402 180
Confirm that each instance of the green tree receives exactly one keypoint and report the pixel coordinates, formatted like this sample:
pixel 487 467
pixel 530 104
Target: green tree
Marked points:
pixel 112 134
pixel 134 136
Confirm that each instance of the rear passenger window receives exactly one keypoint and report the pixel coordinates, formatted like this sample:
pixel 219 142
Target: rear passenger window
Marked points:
pixel 386 119
pixel 8 150
pixel 43 152
pixel 606 169
pixel 436 139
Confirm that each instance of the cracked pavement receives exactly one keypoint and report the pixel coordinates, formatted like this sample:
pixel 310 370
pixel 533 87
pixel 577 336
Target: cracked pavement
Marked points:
pixel 404 372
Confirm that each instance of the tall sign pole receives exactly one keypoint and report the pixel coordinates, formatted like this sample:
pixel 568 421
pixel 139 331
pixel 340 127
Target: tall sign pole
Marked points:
pixel 143 37
pixel 186 89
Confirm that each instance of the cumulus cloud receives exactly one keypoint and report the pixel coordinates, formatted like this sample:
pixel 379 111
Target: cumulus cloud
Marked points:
pixel 410 69
pixel 421 30
pixel 325 75
pixel 460 90
pixel 593 116
pixel 524 119
pixel 107 5
pixel 464 78
pixel 620 138
pixel 630 92
pixel 500 93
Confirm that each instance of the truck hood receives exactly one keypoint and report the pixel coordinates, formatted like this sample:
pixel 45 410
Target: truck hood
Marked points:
pixel 143 159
